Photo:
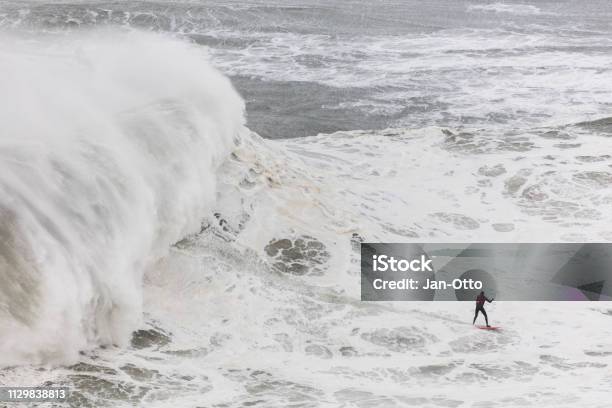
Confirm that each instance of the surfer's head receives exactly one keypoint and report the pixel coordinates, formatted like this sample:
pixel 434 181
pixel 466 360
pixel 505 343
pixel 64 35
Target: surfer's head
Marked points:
pixel 482 293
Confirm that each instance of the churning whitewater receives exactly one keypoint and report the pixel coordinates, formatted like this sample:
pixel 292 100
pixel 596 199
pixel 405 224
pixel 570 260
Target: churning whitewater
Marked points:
pixel 108 150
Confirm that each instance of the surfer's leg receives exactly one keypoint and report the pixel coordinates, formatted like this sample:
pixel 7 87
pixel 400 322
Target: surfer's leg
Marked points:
pixel 486 317
pixel 475 316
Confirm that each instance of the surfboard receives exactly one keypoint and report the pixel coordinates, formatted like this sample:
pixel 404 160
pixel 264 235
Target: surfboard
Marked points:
pixel 489 328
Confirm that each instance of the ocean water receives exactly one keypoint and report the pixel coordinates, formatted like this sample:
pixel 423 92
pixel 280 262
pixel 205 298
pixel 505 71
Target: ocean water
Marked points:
pixel 185 186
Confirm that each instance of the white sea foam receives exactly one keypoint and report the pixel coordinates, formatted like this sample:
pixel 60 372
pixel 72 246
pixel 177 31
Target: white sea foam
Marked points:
pixel 109 143
pixel 258 335
pixel 520 9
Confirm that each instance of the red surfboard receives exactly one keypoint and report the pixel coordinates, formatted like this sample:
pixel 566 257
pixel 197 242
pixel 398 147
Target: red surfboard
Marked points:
pixel 489 328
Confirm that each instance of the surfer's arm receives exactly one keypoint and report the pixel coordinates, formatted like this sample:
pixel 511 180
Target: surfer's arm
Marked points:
pixel 489 300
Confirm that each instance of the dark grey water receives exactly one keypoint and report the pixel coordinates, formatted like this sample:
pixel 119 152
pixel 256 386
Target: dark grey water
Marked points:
pixel 310 66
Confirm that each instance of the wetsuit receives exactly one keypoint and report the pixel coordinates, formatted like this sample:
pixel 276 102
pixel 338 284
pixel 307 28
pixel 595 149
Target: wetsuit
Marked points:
pixel 480 301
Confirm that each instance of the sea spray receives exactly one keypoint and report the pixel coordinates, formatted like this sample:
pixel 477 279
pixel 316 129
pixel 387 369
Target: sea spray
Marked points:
pixel 108 146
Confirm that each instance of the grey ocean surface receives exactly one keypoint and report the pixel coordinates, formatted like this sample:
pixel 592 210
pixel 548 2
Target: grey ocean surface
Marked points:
pixel 313 67
pixel 380 121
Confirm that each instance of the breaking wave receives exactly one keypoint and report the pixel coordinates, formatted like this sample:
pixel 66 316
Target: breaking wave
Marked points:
pixel 109 143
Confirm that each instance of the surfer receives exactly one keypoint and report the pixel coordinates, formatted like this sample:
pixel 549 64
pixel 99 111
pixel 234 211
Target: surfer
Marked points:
pixel 480 301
